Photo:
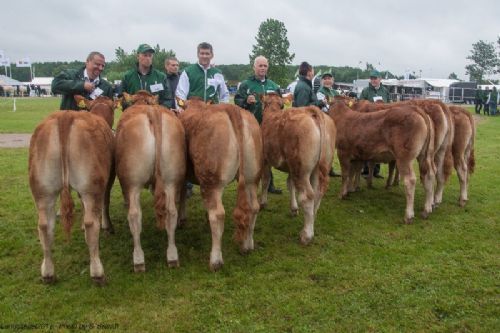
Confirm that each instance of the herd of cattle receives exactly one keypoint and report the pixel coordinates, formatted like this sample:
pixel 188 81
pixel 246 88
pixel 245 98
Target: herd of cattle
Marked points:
pixel 212 145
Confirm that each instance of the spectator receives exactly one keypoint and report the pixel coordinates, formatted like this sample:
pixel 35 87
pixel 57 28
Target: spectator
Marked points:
pixel 303 94
pixel 145 77
pixel 478 100
pixel 86 81
pixel 172 71
pixel 493 99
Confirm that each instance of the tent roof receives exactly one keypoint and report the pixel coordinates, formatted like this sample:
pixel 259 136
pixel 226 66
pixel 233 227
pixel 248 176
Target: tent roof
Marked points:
pixel 7 81
pixel 44 81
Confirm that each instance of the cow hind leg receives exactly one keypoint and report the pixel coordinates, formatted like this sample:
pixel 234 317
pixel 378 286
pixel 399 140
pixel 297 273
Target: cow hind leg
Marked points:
pixel 93 204
pixel 135 224
pixel 46 223
pixel 462 173
pixel 306 200
pixel 409 181
pixel 247 243
pixel 266 179
pixel 440 178
pixel 216 213
pixel 294 207
pixel 170 226
pixel 106 224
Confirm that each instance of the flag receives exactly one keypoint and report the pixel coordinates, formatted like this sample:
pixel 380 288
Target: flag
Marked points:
pixel 25 62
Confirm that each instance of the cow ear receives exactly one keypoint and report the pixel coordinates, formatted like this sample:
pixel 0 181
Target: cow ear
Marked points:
pixel 81 102
pixel 127 97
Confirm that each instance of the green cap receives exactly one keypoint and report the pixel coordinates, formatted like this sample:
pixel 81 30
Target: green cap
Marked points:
pixel 143 48
pixel 326 74
pixel 375 73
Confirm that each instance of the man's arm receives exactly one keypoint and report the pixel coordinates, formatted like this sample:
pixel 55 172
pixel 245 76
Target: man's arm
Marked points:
pixel 223 91
pixel 64 83
pixel 241 96
pixel 182 90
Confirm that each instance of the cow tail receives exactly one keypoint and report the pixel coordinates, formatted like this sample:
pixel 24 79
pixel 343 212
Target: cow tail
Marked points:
pixel 323 169
pixel 155 115
pixel 448 159
pixel 471 163
pixel 428 148
pixel 242 211
pixel 67 205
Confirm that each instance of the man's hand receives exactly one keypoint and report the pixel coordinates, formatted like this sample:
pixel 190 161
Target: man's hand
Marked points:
pixel 88 86
pixel 251 99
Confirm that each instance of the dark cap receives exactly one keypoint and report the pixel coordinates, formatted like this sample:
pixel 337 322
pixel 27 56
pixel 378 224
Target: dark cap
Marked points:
pixel 326 74
pixel 143 48
pixel 375 73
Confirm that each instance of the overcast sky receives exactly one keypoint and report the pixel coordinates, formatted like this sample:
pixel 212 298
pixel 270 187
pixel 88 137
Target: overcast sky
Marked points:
pixel 429 35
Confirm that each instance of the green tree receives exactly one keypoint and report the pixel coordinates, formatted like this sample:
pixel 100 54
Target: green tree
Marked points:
pixel 484 60
pixel 273 44
pixel 453 76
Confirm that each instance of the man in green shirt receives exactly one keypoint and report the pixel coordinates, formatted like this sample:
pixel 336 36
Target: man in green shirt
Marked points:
pixel 85 81
pixel 249 94
pixel 375 92
pixel 145 77
pixel 478 100
pixel 203 80
pixel 326 93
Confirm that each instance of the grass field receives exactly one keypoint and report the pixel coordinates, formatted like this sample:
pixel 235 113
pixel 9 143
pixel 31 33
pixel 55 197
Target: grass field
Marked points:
pixel 364 272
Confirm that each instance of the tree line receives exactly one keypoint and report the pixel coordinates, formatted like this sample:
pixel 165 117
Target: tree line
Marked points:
pixel 272 42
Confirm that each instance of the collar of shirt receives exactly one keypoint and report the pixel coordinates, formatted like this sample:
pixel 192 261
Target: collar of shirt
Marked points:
pixel 87 78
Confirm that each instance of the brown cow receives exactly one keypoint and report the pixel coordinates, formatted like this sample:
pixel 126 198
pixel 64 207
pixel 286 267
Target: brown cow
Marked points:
pixel 384 136
pixel 72 150
pixel 301 142
pixel 443 137
pixel 224 142
pixel 463 149
pixel 151 151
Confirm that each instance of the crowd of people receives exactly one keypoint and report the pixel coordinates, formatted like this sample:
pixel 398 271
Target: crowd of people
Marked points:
pixel 487 100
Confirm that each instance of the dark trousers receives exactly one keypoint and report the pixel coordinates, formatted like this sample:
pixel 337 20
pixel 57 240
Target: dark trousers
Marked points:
pixel 486 109
pixel 376 170
pixel 478 105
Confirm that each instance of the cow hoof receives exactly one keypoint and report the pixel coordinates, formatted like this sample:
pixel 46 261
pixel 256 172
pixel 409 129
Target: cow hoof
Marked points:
pixel 408 220
pixel 263 206
pixel 139 268
pixel 182 223
pixel 424 215
pixel 173 263
pixel 49 279
pixel 462 202
pixel 99 280
pixel 216 266
pixel 304 239
pixel 294 212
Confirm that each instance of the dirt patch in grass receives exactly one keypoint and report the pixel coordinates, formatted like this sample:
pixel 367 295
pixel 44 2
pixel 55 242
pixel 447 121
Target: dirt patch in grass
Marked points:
pixel 14 140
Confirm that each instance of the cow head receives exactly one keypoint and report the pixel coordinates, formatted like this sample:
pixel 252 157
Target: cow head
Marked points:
pixel 271 102
pixel 102 106
pixel 142 97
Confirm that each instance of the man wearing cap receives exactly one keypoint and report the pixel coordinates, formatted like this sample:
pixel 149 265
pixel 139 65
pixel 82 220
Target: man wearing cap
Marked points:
pixel 326 93
pixel 145 77
pixel 375 92
pixel 249 96
pixel 85 81
pixel 202 80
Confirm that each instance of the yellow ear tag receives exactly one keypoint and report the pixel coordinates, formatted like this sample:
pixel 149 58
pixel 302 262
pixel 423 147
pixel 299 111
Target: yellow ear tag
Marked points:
pixel 119 107
pixel 127 98
pixel 180 102
pixel 81 104
pixel 287 103
pixel 350 104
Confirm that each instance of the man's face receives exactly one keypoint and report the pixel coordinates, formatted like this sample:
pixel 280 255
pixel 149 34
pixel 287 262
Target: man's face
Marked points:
pixel 145 59
pixel 172 67
pixel 95 66
pixel 327 81
pixel 260 68
pixel 375 81
pixel 204 57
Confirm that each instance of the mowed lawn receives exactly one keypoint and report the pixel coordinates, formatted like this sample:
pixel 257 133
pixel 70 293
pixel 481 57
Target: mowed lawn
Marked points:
pixel 364 272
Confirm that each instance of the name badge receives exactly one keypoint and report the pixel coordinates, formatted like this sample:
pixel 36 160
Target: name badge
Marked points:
pixel 377 98
pixel 156 87
pixel 96 93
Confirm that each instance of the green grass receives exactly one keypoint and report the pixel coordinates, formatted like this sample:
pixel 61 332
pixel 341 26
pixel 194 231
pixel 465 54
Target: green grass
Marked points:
pixel 364 271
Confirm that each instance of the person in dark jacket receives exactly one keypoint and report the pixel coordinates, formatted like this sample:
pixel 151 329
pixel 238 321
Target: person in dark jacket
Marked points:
pixel 478 100
pixel 145 77
pixel 249 93
pixel 172 71
pixel 303 94
pixel 375 92
pixel 85 81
